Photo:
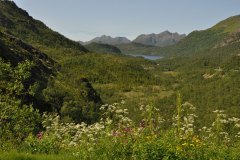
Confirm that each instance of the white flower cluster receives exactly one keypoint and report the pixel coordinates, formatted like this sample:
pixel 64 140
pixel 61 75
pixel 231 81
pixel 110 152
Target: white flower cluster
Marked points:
pixel 116 115
pixel 151 117
pixel 71 134
pixel 116 124
pixel 185 121
pixel 223 128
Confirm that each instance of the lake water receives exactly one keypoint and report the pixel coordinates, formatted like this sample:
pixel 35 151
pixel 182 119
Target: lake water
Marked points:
pixel 150 57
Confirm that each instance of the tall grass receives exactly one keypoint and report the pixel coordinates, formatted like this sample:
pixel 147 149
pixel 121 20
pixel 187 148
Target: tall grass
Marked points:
pixel 116 136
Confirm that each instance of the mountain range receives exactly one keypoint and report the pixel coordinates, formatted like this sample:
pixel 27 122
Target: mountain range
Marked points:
pixel 162 39
pixel 165 38
pixel 108 40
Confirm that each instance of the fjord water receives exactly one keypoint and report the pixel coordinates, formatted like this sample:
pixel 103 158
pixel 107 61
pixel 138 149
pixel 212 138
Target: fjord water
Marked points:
pixel 150 57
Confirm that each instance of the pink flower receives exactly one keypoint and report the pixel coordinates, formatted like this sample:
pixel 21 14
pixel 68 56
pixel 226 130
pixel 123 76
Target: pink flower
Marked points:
pixel 127 129
pixel 114 133
pixel 142 124
pixel 40 135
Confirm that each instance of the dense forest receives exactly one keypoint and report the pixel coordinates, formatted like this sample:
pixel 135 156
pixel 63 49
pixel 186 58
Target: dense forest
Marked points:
pixel 62 100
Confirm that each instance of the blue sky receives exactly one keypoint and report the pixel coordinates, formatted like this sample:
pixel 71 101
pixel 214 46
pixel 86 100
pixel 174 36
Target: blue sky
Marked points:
pixel 86 19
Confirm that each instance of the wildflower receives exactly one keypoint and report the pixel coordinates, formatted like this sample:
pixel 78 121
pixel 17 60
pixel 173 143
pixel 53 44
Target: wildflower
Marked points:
pixel 141 107
pixel 108 121
pixel 179 148
pixel 40 135
pixel 184 144
pixel 115 133
pixel 127 129
pixel 187 104
pixel 237 125
pixel 204 128
pixel 224 121
pixel 72 143
pixel 142 124
pixel 119 111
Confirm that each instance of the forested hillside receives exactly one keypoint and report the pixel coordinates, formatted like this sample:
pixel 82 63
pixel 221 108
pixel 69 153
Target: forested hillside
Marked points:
pixel 17 22
pixel 222 34
pixel 52 92
pixel 59 99
pixel 117 77
pixel 137 48
pixel 102 48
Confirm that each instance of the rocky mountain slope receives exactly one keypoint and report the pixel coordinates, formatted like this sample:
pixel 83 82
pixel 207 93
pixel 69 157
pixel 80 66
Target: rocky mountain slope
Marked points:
pixel 109 40
pixel 165 38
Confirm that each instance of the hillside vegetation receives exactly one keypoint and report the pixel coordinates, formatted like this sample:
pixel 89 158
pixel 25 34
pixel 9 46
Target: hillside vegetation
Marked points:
pixel 102 48
pixel 17 22
pixel 225 32
pixel 136 48
pixel 58 100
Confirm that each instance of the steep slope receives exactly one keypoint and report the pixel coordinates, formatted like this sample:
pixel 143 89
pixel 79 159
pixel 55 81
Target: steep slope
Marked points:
pixel 51 92
pixel 229 25
pixel 109 40
pixel 14 51
pixel 165 38
pixel 220 35
pixel 17 22
pixel 102 48
pixel 76 101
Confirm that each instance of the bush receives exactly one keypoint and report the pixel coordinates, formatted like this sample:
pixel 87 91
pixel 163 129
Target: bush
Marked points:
pixel 17 119
pixel 41 144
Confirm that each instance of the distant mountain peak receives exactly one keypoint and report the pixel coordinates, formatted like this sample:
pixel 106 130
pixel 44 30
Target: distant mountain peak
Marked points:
pixel 167 32
pixel 162 39
pixel 104 39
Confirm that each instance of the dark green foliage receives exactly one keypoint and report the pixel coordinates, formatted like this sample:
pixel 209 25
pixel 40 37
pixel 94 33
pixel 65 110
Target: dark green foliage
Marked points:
pixel 74 104
pixel 106 68
pixel 102 48
pixel 17 119
pixel 14 51
pixel 136 48
pixel 209 78
pixel 17 22
pixel 56 92
pixel 204 68
pixel 46 146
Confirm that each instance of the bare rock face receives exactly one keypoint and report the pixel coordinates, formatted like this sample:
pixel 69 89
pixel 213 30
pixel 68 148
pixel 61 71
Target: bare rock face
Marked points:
pixel 165 38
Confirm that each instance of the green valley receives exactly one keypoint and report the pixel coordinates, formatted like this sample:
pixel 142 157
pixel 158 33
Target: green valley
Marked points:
pixel 63 100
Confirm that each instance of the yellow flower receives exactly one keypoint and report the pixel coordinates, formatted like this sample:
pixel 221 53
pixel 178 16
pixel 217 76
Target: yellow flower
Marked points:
pixel 179 148
pixel 184 144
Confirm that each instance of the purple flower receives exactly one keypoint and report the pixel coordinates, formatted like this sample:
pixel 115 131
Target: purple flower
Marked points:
pixel 40 135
